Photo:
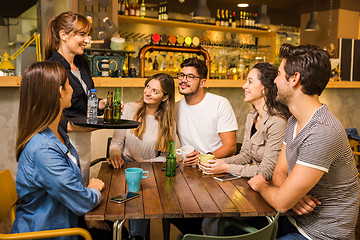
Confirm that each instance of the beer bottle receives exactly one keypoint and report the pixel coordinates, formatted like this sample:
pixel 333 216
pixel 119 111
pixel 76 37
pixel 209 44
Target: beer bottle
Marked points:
pixel 226 20
pixel 233 21
pixel 142 9
pixel 155 65
pixel 222 19
pixel 171 160
pixel 108 111
pixel 217 19
pixel 117 107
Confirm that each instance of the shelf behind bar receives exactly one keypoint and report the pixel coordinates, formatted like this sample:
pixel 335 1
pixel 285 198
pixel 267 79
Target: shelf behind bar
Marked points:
pixel 183 24
pixel 139 82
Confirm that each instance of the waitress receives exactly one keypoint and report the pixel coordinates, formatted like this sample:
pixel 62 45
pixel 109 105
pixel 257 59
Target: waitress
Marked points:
pixel 65 41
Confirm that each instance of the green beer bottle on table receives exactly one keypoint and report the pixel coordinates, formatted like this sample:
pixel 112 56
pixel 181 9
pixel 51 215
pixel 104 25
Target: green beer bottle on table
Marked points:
pixel 117 107
pixel 171 160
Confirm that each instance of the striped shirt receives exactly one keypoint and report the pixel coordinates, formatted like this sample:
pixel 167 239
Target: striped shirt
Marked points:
pixel 322 144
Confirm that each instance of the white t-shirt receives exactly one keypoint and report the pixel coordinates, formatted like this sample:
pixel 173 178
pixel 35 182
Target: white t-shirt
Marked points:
pixel 199 125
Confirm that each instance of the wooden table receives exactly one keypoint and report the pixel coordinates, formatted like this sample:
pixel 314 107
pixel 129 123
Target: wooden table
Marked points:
pixel 188 194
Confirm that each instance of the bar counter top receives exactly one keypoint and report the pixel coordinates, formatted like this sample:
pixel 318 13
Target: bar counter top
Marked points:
pixel 139 82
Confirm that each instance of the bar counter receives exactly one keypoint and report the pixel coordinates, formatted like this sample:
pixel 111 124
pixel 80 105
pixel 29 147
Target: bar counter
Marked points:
pixel 342 98
pixel 139 82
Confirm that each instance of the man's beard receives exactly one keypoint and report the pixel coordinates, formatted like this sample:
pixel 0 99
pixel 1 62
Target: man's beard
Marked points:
pixel 190 93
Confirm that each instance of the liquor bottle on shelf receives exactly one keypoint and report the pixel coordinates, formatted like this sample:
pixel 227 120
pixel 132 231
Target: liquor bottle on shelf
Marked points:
pixel 137 8
pixel 164 39
pixel 252 21
pixel 155 65
pixel 217 19
pixel 171 160
pixel 142 9
pixel 233 21
pixel 126 11
pixel 160 11
pixel 109 109
pixel 165 12
pixel 230 19
pixel 226 20
pixel 117 107
pixel 131 8
pixel 180 40
pixel 241 19
pixel 121 9
pixel 222 19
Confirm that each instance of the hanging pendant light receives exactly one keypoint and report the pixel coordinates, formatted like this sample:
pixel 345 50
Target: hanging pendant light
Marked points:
pixel 313 24
pixel 202 11
pixel 263 18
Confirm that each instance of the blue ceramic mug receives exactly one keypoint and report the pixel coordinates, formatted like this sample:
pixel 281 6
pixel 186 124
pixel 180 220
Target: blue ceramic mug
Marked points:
pixel 134 177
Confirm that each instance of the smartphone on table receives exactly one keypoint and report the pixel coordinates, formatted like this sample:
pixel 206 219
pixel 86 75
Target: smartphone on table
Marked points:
pixel 125 197
pixel 227 177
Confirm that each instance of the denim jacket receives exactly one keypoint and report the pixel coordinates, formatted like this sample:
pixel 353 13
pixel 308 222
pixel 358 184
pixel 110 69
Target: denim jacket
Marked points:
pixel 49 186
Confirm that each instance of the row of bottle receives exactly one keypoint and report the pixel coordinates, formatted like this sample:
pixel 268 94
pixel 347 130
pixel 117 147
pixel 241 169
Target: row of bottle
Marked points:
pixel 112 111
pixel 227 19
pixel 163 11
pixel 131 8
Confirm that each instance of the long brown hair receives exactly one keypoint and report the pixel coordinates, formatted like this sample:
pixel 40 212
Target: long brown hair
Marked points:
pixel 39 100
pixel 267 75
pixel 164 114
pixel 71 23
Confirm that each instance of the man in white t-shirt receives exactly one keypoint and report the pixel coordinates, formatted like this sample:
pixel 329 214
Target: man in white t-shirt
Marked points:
pixel 204 120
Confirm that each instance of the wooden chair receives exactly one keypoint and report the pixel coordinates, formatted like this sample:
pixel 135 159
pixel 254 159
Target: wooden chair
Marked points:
pixel 354 144
pixel 95 161
pixel 266 233
pixel 8 204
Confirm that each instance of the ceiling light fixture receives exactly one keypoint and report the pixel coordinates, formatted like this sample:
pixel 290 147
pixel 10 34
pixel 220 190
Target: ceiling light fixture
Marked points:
pixel 243 5
pixel 263 18
pixel 202 11
pixel 313 24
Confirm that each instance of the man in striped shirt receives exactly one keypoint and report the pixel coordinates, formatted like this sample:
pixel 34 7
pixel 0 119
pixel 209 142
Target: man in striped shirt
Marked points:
pixel 315 175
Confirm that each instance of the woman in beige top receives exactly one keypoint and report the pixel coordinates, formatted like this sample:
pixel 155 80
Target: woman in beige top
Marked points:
pixel 264 128
pixel 150 141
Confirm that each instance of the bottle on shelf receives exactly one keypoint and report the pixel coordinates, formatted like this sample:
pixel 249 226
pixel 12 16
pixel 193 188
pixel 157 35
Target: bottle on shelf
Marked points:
pixel 131 8
pixel 165 12
pixel 233 21
pixel 127 10
pixel 160 11
pixel 155 38
pixel 164 38
pixel 230 19
pixel 242 19
pixel 217 18
pixel 137 8
pixel 171 160
pixel 155 65
pixel 226 20
pixel 92 106
pixel 180 40
pixel 109 109
pixel 222 19
pixel 142 9
pixel 121 9
pixel 117 107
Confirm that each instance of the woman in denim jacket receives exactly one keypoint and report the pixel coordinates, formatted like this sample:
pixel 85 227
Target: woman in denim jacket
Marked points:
pixel 48 180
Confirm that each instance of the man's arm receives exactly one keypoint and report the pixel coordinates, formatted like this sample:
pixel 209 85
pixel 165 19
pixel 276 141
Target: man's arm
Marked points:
pixel 281 169
pixel 228 147
pixel 300 181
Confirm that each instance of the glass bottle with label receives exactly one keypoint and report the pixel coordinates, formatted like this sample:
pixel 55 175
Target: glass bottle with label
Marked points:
pixel 109 109
pixel 117 107
pixel 217 19
pixel 171 160
pixel 142 9
pixel 121 9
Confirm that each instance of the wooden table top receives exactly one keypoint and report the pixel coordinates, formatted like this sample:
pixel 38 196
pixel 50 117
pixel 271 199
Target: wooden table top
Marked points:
pixel 188 194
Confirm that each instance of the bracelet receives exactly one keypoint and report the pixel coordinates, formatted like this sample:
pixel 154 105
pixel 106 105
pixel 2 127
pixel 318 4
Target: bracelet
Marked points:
pixel 210 153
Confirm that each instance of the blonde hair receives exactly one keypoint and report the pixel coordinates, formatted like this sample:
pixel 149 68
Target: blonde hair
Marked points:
pixel 164 114
pixel 71 23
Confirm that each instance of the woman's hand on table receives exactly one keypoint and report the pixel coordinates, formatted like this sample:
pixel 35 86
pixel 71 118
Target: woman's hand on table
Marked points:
pixel 96 183
pixel 216 166
pixel 115 160
pixel 192 158
pixel 306 205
